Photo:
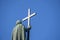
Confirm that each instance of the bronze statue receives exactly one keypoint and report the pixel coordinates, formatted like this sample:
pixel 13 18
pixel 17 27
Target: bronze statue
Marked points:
pixel 19 32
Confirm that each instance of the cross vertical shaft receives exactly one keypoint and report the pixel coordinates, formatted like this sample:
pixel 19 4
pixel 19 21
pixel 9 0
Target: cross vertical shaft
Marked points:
pixel 28 17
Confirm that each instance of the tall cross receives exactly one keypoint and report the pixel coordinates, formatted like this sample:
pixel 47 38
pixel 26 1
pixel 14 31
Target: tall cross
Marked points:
pixel 28 17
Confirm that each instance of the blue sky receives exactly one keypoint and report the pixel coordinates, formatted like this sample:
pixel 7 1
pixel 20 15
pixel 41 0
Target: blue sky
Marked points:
pixel 45 25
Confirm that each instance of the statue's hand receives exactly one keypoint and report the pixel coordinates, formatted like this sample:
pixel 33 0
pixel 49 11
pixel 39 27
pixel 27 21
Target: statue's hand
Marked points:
pixel 29 27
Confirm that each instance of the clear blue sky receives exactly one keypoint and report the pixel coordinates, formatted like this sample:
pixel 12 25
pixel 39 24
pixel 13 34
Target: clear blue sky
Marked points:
pixel 45 25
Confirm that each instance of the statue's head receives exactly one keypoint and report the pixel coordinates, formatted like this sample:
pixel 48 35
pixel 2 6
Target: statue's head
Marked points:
pixel 18 22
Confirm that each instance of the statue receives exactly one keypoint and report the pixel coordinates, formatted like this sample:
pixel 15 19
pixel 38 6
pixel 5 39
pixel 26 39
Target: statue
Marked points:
pixel 19 32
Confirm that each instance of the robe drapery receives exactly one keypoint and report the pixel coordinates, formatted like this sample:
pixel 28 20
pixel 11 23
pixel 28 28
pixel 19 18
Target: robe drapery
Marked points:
pixel 19 32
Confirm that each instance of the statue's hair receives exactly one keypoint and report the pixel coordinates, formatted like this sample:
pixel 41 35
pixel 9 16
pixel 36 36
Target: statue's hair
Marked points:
pixel 18 22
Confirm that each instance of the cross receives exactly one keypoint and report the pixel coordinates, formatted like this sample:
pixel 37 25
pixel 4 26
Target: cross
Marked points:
pixel 28 17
